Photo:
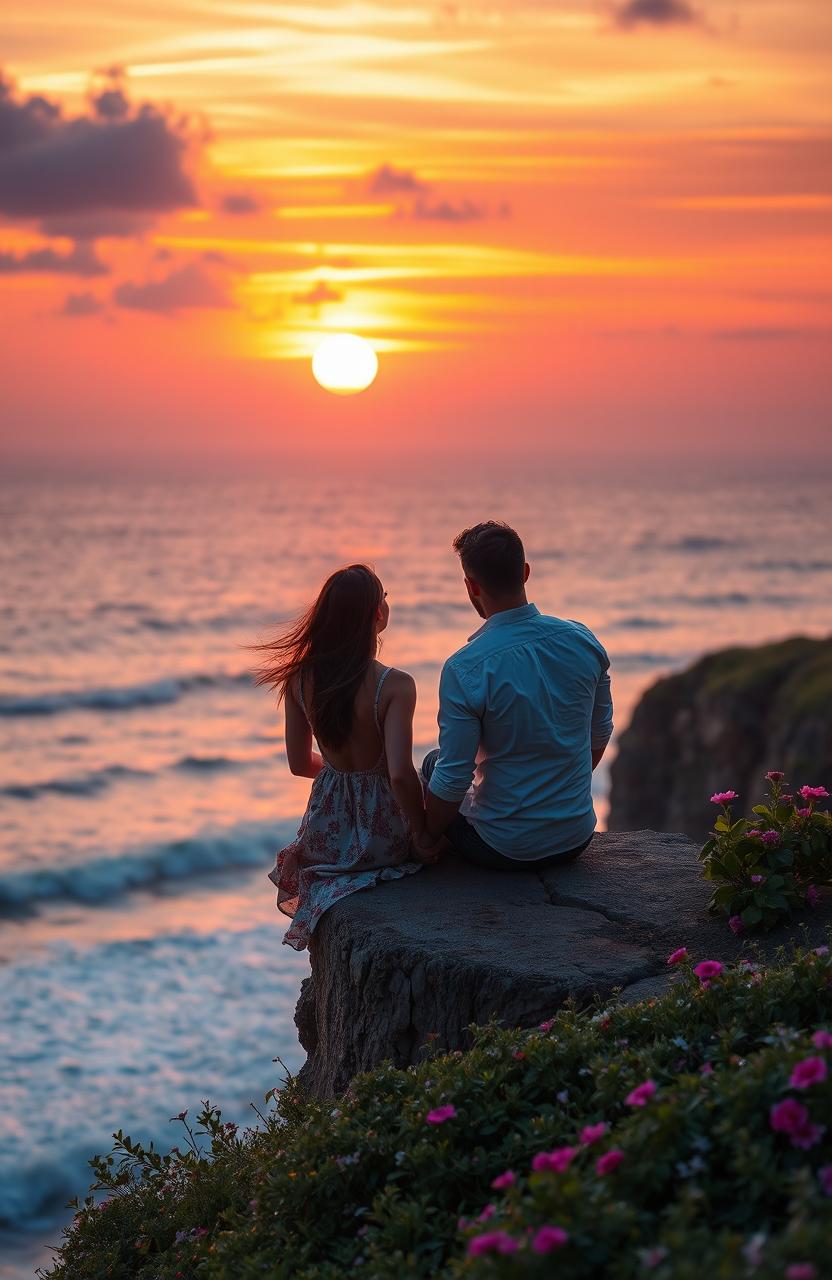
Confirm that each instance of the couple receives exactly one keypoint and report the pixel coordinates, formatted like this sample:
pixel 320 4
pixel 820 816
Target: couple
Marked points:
pixel 525 714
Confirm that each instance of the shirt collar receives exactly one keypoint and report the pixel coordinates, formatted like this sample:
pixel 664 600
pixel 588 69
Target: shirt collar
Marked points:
pixel 506 617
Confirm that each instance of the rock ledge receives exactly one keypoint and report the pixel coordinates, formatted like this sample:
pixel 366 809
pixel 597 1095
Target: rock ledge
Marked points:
pixel 415 962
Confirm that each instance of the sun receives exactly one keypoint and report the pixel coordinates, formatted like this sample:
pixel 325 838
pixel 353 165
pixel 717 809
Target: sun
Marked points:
pixel 345 364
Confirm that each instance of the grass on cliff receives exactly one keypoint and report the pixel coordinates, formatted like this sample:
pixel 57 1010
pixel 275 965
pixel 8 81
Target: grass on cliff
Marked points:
pixel 679 1137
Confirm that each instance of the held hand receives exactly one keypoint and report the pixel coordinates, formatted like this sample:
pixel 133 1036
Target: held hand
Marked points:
pixel 427 850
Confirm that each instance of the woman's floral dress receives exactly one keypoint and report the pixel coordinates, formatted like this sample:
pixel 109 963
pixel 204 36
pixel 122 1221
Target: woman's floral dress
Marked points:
pixel 352 835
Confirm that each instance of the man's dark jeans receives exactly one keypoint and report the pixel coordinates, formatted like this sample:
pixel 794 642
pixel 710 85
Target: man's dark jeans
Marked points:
pixel 470 845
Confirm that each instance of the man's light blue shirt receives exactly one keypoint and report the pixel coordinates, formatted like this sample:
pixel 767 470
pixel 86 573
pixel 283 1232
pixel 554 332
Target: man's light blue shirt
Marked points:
pixel 521 707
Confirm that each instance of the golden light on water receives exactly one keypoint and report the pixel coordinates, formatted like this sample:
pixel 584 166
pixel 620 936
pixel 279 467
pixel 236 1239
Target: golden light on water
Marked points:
pixel 345 364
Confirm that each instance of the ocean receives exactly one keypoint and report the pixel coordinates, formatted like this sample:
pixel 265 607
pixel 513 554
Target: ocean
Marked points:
pixel 144 790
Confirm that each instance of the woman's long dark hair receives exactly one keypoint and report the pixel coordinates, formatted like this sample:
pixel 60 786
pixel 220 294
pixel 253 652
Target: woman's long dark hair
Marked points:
pixel 330 648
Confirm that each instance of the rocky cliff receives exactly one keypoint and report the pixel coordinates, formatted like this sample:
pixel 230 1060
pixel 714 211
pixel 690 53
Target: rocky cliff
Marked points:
pixel 722 724
pixel 417 961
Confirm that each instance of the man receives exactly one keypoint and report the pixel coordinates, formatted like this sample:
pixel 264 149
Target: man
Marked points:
pixel 525 711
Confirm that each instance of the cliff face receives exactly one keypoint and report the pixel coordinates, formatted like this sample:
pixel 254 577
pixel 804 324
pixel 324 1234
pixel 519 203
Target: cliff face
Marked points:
pixel 722 724
pixel 417 961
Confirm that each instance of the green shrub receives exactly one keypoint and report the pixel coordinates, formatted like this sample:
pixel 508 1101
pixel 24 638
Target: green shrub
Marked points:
pixel 710 1180
pixel 769 866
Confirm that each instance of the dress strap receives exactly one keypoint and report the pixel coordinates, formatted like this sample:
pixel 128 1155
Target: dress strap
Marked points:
pixel 385 673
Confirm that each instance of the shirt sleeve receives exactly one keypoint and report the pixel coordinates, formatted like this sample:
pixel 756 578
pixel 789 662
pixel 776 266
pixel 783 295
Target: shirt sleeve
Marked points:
pixel 459 740
pixel 602 713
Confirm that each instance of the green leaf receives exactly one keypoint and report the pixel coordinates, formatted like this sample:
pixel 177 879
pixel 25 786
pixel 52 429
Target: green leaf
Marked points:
pixel 752 915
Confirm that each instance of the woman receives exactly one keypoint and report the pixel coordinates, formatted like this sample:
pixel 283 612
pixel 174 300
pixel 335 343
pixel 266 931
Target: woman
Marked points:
pixel 366 808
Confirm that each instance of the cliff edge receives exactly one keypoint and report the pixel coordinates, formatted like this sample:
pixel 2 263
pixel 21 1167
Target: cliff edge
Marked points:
pixel 721 724
pixel 417 961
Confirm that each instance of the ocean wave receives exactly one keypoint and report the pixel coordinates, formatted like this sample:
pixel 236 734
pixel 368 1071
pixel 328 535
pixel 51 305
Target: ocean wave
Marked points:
pixel 695 542
pixel 214 622
pixel 97 780
pixel 103 879
pixel 624 662
pixel 636 622
pixel 734 599
pixel 791 566
pixel 84 784
pixel 119 698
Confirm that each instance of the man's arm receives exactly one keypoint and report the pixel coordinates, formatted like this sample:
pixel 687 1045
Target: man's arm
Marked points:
pixel 459 740
pixel 601 731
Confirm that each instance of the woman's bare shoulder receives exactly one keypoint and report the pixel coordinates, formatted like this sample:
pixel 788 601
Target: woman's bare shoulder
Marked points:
pixel 399 682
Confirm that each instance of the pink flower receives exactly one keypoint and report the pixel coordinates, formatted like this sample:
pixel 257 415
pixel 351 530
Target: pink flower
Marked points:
pixel 641 1095
pixel 825 1179
pixel 707 969
pixel 548 1239
pixel 754 835
pixel 547 1025
pixel 788 1116
pixel 791 1117
pixel 803 813
pixel 518 1055
pixel 786 797
pixel 677 956
pixel 757 879
pixel 808 1135
pixel 504 1180
pixel 440 1114
pixel 822 951
pixel 609 1162
pixel 774 775
pixel 554 1161
pixel 488 1212
pixel 822 1040
pixel 592 1133
pixel 491 1242
pixel 707 1069
pixel 735 924
pixel 814 793
pixel 801 1271
pixel 771 838
pixel 812 895
pixel 808 1072
pixel 723 797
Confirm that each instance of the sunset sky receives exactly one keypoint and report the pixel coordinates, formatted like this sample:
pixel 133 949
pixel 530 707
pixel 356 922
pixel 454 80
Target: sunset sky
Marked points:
pixel 567 227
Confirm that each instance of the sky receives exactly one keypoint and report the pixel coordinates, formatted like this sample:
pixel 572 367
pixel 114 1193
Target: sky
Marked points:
pixel 568 228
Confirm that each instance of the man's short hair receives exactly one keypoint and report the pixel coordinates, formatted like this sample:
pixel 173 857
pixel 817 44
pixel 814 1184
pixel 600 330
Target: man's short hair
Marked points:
pixel 492 555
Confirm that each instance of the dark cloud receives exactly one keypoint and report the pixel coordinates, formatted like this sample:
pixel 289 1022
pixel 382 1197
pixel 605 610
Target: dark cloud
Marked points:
pixel 81 304
pixel 118 158
pixel 82 260
pixel 184 287
pixel 319 292
pixel 655 13
pixel 111 104
pixel 239 203
pixel 386 180
pixel 447 211
pixel 25 122
pixel 96 226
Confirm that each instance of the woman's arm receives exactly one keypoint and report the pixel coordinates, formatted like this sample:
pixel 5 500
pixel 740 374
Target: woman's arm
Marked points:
pixel 303 761
pixel 398 746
